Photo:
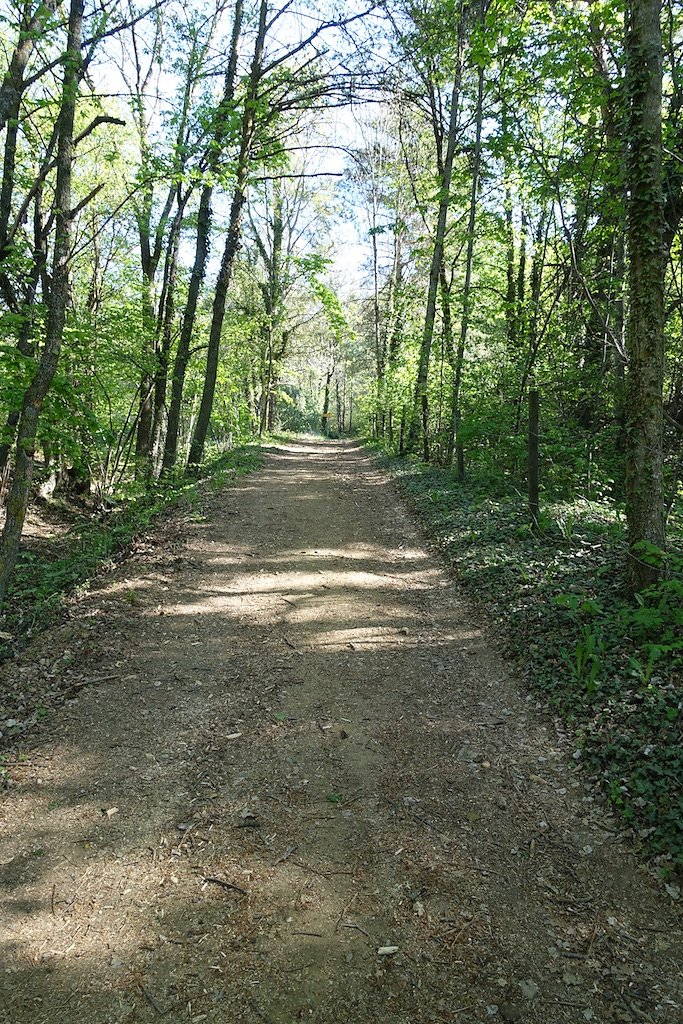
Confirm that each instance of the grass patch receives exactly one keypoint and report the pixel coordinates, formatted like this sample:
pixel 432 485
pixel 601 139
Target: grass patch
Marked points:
pixel 41 582
pixel 612 668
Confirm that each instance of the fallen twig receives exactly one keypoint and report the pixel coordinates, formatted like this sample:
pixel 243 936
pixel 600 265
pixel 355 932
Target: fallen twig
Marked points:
pixel 343 911
pixel 227 885
pixel 355 927
pixel 77 687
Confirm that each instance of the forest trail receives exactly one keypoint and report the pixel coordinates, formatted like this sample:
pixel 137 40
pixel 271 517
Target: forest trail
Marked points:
pixel 312 792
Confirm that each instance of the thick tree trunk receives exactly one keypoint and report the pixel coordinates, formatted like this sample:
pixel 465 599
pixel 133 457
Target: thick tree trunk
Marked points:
pixel 645 334
pixel 56 307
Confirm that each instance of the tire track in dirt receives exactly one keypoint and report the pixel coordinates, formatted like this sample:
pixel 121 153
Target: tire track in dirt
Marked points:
pixel 312 754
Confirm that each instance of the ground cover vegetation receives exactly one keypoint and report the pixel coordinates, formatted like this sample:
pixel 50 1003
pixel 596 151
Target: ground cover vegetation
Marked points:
pixel 452 226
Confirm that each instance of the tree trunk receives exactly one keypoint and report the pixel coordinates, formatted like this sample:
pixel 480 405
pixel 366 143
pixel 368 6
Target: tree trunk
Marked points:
pixel 645 334
pixel 420 409
pixel 165 335
pixel 456 414
pixel 56 307
pixel 143 440
pixel 232 244
pixel 30 32
pixel 202 246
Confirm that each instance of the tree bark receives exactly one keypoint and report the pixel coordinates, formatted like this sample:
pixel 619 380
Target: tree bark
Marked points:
pixel 202 247
pixel 12 86
pixel 456 413
pixel 232 243
pixel 57 301
pixel 420 409
pixel 645 514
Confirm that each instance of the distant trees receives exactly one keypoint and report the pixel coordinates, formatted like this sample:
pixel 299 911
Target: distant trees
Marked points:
pixel 167 252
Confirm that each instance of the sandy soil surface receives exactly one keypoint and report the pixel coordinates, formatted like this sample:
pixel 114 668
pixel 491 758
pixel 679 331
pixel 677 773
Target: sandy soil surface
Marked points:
pixel 301 785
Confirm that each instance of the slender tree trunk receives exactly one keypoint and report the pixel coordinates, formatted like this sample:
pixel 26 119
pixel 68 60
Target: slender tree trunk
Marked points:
pixel 182 356
pixel 202 247
pixel 380 354
pixel 325 418
pixel 420 411
pixel 165 331
pixel 645 333
pixel 456 413
pixel 56 307
pixel 530 322
pixel 143 440
pixel 511 293
pixel 532 460
pixel 218 315
pixel 231 245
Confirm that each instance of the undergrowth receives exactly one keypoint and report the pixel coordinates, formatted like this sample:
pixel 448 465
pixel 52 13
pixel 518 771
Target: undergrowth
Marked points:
pixel 42 581
pixel 611 667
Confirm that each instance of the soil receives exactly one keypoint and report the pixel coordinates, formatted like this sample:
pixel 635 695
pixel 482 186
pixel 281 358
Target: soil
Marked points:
pixel 292 779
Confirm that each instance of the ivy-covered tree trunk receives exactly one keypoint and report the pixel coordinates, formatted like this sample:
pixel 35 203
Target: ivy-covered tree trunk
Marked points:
pixel 57 301
pixel 645 332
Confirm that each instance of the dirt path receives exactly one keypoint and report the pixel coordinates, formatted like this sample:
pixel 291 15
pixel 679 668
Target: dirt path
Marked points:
pixel 312 792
